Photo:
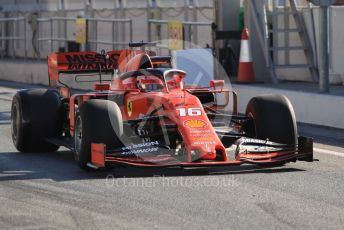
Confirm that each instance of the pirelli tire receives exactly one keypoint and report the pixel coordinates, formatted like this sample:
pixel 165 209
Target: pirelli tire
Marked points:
pixel 36 115
pixel 273 118
pixel 97 121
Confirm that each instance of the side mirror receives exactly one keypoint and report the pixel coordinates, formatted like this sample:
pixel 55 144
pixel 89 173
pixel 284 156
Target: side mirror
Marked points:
pixel 217 83
pixel 218 87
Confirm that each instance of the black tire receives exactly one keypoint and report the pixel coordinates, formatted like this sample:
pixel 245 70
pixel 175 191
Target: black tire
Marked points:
pixel 273 118
pixel 101 122
pixel 36 115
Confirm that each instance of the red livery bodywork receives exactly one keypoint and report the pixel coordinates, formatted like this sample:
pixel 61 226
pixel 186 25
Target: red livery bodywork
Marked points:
pixel 155 97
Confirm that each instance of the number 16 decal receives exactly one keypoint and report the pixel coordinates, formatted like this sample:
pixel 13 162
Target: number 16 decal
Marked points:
pixel 192 112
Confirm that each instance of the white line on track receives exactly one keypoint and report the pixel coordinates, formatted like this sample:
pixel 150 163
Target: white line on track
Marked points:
pixel 329 152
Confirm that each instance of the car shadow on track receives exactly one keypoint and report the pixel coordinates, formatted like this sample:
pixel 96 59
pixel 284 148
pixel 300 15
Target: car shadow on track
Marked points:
pixel 60 166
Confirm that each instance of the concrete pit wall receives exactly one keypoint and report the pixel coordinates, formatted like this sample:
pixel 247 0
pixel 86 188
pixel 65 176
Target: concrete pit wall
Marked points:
pixel 31 72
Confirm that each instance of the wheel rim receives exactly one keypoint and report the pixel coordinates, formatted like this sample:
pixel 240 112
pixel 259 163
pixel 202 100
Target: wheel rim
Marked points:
pixel 78 135
pixel 14 121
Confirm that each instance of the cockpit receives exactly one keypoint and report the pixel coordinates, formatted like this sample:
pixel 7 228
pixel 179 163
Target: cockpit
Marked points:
pixel 139 73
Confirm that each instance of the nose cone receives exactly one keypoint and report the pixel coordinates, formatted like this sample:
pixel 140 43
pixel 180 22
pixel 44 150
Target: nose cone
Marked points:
pixel 199 137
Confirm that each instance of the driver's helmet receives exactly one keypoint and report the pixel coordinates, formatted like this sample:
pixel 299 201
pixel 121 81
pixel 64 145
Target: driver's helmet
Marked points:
pixel 150 83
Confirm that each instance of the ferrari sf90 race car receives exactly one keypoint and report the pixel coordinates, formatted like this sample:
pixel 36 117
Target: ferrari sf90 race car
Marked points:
pixel 145 115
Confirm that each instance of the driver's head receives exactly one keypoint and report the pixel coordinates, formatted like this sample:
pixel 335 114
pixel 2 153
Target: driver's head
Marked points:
pixel 149 83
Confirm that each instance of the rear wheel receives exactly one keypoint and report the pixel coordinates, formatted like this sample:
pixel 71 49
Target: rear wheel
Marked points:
pixel 273 119
pixel 35 117
pixel 98 121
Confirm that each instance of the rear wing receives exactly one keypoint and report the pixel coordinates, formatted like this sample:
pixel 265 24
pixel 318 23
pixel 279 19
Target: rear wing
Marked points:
pixel 90 62
pixel 81 62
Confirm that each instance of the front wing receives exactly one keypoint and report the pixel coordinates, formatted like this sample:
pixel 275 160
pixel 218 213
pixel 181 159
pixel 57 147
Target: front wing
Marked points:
pixel 303 152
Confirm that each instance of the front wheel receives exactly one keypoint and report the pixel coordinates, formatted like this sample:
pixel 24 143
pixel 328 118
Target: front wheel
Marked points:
pixel 98 121
pixel 273 118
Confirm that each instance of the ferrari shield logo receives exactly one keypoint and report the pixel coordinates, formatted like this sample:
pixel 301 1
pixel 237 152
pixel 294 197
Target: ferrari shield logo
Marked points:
pixel 130 107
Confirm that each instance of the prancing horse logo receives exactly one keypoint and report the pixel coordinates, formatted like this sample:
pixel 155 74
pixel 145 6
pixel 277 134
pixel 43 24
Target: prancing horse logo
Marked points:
pixel 130 107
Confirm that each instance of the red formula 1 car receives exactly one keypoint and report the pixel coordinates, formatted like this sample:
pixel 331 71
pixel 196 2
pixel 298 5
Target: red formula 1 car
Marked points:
pixel 146 116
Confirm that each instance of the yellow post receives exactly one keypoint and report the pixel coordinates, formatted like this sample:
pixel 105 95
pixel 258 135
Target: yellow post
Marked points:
pixel 175 35
pixel 80 30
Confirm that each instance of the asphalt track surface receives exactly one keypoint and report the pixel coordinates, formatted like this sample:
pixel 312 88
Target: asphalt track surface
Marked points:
pixel 48 191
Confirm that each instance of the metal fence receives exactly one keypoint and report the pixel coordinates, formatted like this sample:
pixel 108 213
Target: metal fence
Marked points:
pixel 51 34
pixel 55 33
pixel 12 39
pixel 190 29
pixel 118 32
pixel 49 25
pixel 57 39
